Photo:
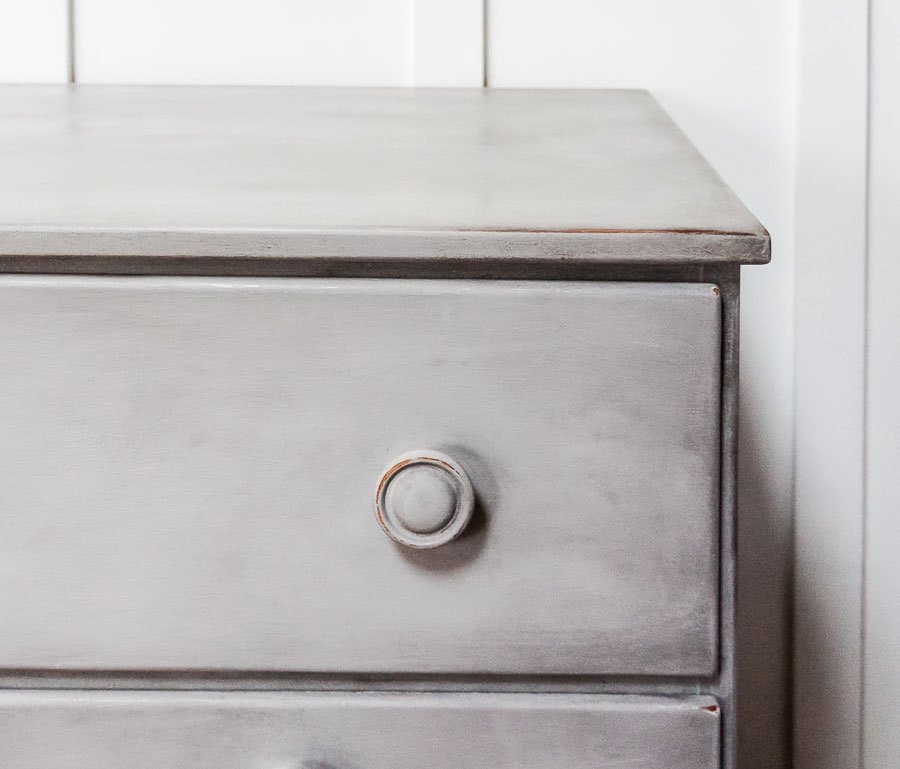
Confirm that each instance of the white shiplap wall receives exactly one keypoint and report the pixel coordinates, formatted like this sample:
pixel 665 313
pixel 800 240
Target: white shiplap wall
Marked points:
pixel 831 124
pixel 235 41
pixel 881 675
pixel 759 88
pixel 34 41
pixel 339 42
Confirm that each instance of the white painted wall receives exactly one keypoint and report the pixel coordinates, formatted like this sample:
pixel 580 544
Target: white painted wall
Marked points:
pixel 881 702
pixel 774 93
pixel 34 41
pixel 235 41
pixel 830 376
pixel 339 42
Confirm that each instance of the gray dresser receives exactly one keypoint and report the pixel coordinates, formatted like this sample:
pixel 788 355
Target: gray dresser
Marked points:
pixel 365 429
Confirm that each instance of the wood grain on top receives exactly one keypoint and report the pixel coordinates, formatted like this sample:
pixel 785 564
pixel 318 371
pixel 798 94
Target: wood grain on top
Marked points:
pixel 344 173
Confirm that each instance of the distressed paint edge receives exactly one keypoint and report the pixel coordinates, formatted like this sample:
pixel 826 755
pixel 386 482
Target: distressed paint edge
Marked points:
pixel 728 280
pixel 413 700
pixel 24 249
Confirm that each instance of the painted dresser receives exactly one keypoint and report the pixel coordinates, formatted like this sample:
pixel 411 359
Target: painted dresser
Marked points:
pixel 365 429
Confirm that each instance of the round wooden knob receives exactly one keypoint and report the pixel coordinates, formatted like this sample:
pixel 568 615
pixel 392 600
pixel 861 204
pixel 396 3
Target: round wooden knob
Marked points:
pixel 424 499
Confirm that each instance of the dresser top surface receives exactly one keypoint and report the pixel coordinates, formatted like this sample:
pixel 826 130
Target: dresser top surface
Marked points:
pixel 343 173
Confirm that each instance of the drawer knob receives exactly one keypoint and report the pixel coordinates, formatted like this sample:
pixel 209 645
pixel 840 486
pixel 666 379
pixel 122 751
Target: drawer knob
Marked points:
pixel 424 499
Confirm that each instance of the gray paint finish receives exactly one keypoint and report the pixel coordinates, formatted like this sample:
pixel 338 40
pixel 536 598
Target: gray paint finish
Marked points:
pixel 191 462
pixel 342 174
pixel 154 730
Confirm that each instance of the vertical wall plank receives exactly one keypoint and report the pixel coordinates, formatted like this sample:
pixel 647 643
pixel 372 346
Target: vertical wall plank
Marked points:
pixel 339 42
pixel 881 714
pixel 830 364
pixel 34 40
pixel 447 43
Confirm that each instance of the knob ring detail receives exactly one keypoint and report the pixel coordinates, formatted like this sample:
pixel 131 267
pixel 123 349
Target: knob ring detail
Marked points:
pixel 391 523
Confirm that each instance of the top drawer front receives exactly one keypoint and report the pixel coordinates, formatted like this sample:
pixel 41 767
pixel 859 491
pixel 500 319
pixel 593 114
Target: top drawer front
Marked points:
pixel 190 464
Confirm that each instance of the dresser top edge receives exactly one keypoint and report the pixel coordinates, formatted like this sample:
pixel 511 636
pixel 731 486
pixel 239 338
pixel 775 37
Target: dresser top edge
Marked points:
pixel 309 173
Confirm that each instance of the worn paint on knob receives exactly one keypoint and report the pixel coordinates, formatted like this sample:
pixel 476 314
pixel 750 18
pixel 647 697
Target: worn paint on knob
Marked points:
pixel 424 499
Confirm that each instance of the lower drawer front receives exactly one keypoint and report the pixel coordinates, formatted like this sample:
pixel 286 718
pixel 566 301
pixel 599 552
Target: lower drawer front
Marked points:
pixel 161 730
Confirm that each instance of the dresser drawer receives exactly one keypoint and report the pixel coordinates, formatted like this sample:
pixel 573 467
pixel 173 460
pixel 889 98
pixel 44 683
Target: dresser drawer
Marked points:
pixel 150 730
pixel 190 469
